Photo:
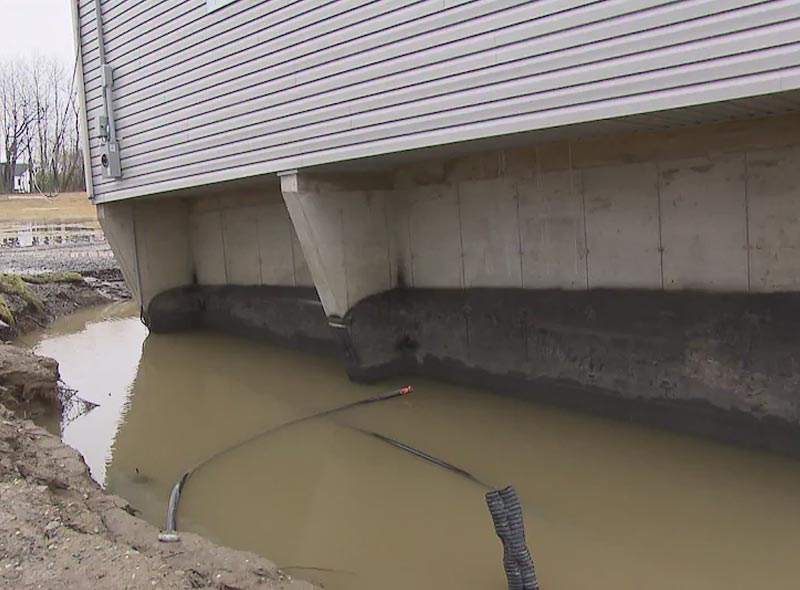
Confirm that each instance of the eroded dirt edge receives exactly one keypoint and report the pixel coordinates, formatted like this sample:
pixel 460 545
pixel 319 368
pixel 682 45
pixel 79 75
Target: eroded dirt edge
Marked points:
pixel 58 529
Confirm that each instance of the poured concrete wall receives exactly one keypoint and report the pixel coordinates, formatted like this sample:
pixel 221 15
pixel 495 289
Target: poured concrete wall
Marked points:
pixel 229 261
pixel 654 275
pixel 246 239
pixel 719 222
pixel 343 233
pixel 714 209
pixel 711 209
pixel 150 240
pixel 243 238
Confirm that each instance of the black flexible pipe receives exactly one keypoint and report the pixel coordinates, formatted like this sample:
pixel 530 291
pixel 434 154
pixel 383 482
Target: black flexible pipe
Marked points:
pixel 170 534
pixel 425 456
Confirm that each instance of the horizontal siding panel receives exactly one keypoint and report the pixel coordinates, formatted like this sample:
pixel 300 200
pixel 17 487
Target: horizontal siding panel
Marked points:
pixel 120 26
pixel 460 109
pixel 256 33
pixel 268 85
pixel 270 126
pixel 137 47
pixel 252 165
pixel 297 144
pixel 88 26
pixel 453 75
pixel 237 90
pixel 119 10
pixel 296 44
pixel 365 63
pixel 124 35
pixel 88 45
pixel 322 50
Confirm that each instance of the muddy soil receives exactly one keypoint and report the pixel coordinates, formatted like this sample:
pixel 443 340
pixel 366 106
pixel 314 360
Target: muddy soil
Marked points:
pixel 58 529
pixel 31 301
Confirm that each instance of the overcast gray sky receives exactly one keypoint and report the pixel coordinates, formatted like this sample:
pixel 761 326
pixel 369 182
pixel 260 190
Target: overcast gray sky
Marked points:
pixel 42 27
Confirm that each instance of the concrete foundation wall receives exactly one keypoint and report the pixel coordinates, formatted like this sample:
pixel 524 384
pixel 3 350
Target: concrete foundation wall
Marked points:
pixel 723 222
pixel 150 240
pixel 721 365
pixel 714 209
pixel 119 223
pixel 242 238
pixel 654 273
pixel 246 238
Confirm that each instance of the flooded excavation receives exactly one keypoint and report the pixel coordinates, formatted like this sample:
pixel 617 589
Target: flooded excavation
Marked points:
pixel 607 505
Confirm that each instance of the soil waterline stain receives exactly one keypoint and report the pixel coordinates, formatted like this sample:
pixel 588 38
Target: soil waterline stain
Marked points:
pixel 608 505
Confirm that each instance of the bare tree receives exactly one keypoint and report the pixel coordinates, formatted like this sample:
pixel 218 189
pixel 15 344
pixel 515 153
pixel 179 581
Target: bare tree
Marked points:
pixel 16 117
pixel 41 124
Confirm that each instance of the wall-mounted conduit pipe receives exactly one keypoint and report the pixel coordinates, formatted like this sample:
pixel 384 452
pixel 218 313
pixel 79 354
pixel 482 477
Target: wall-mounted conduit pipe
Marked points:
pixel 105 126
pixel 171 532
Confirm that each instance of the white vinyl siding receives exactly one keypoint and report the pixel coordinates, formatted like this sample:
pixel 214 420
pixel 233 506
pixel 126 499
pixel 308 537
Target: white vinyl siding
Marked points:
pixel 214 4
pixel 264 86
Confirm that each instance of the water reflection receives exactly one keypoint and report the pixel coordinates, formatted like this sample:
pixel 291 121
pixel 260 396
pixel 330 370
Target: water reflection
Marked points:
pixel 108 342
pixel 608 505
pixel 29 234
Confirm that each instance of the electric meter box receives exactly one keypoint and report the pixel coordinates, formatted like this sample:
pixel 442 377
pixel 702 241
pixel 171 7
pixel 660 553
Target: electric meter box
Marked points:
pixel 109 160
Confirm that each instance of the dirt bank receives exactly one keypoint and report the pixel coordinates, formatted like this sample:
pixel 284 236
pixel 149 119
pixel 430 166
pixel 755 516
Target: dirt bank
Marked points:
pixel 30 301
pixel 58 529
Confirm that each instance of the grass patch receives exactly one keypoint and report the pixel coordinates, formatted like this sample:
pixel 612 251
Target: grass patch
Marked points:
pixel 52 277
pixel 5 312
pixel 14 285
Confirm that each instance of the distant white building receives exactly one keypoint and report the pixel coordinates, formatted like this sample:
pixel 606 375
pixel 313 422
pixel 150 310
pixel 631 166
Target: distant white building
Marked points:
pixel 22 177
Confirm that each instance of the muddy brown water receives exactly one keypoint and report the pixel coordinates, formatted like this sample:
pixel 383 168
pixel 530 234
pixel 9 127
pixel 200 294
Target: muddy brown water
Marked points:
pixel 607 505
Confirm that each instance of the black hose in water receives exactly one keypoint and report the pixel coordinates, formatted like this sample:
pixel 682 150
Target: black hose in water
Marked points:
pixel 170 534
pixel 425 456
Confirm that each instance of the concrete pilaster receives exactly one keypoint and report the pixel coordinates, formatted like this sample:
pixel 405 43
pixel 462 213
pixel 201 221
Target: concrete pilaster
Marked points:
pixel 341 224
pixel 151 241
pixel 119 226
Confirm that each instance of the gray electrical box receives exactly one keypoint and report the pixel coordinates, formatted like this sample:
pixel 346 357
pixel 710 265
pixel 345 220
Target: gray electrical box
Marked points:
pixel 106 76
pixel 109 160
pixel 104 124
pixel 101 124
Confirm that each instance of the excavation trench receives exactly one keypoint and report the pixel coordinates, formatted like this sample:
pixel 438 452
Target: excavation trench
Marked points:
pixel 608 505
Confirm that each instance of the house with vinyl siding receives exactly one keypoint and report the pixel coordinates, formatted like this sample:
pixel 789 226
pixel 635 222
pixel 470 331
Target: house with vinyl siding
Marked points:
pixel 502 192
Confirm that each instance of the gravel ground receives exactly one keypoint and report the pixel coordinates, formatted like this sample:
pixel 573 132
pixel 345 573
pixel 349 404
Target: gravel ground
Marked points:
pixel 88 259
pixel 35 223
